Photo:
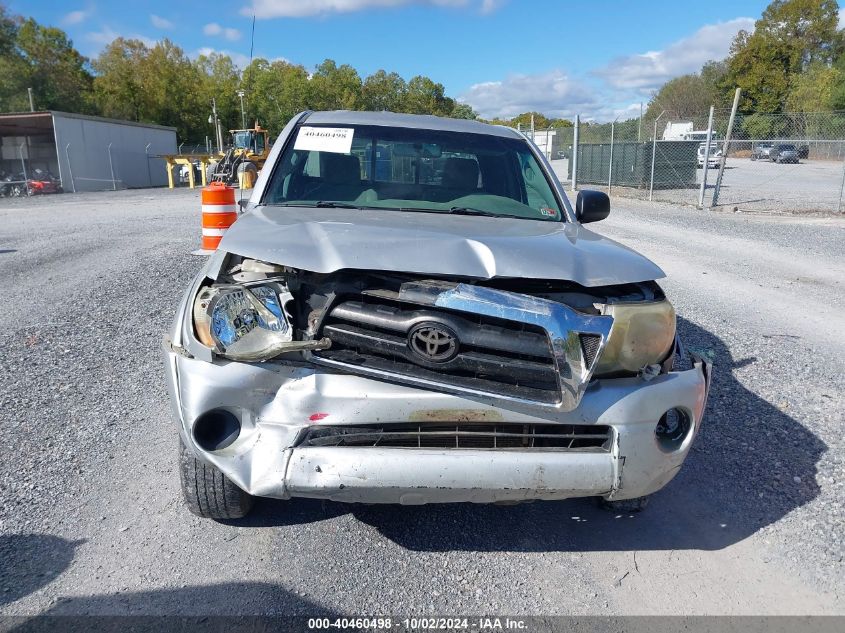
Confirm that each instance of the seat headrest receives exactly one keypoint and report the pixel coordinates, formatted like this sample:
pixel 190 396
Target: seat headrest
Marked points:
pixel 460 173
pixel 340 169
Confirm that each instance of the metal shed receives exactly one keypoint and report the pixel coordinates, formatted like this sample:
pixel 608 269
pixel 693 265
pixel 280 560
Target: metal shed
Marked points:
pixel 87 153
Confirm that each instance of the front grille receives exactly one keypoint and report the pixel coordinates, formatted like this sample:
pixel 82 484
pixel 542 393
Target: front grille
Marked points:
pixel 562 437
pixel 491 355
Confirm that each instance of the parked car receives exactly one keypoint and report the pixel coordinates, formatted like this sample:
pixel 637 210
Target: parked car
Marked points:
pixel 713 158
pixel 804 151
pixel 784 153
pixel 762 151
pixel 447 335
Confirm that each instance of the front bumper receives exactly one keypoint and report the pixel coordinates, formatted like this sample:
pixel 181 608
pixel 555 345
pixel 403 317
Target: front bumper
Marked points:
pixel 276 401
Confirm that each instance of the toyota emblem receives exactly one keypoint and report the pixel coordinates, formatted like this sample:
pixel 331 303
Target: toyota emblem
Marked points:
pixel 433 342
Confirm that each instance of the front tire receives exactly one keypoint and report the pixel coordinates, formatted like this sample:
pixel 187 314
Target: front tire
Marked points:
pixel 208 492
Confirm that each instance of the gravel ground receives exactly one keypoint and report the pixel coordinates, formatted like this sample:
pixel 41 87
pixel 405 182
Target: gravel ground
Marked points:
pixel 90 515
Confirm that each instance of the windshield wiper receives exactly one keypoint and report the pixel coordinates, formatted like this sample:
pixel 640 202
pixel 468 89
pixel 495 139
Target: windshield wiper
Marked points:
pixel 481 212
pixel 331 204
pixel 321 204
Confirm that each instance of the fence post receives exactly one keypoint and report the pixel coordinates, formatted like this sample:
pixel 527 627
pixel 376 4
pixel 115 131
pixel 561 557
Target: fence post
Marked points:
pixel 23 167
pixel 610 167
pixel 574 157
pixel 111 169
pixel 715 200
pixel 653 156
pixel 706 160
pixel 147 154
pixel 70 168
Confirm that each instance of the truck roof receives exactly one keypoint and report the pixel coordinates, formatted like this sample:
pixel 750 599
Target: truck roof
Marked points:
pixel 414 121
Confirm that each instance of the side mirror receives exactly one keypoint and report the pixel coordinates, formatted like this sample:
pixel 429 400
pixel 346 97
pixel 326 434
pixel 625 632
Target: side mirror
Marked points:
pixel 591 206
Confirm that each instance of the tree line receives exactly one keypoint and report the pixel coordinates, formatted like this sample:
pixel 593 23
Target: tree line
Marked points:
pixel 161 84
pixel 793 61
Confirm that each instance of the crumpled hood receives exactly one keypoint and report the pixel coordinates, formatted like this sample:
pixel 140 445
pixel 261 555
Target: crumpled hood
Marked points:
pixel 326 240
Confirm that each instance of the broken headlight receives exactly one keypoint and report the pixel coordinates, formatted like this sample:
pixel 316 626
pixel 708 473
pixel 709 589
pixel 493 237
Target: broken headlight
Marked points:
pixel 246 323
pixel 642 334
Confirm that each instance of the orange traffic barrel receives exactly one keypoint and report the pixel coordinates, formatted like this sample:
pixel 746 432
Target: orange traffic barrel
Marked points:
pixel 219 212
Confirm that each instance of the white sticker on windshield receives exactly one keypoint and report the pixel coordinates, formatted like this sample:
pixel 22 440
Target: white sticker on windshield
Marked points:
pixel 337 140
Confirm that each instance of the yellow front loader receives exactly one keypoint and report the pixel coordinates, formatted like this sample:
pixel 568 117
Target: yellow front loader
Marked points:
pixel 241 163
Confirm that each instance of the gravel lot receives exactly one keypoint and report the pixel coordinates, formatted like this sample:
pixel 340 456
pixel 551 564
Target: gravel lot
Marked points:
pixel 754 186
pixel 90 515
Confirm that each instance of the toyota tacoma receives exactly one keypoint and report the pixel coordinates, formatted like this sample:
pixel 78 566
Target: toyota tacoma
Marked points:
pixel 409 310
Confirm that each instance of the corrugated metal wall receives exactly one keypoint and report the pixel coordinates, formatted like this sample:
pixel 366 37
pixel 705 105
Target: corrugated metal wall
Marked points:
pixel 82 146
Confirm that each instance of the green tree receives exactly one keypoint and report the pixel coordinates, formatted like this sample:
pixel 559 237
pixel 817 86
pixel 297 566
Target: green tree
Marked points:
pixel 383 91
pixel 813 90
pixel 118 86
pixel 220 81
pixel 13 67
pixel 155 85
pixel 57 73
pixel 464 111
pixel 424 96
pixel 335 87
pixel 280 90
pixel 789 37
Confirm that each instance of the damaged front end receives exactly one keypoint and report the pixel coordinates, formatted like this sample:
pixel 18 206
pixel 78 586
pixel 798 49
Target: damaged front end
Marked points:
pixel 377 386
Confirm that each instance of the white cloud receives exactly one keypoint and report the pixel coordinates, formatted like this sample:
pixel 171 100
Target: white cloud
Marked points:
pixel 107 35
pixel 553 93
pixel 215 29
pixel 160 23
pixel 75 17
pixel 647 71
pixel 303 8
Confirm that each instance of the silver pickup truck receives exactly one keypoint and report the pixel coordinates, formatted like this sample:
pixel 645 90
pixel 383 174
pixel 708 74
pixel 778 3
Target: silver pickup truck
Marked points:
pixel 411 311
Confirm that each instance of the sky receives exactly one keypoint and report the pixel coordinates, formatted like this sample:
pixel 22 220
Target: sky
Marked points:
pixel 596 58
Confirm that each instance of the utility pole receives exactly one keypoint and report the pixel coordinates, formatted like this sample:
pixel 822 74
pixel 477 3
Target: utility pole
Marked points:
pixel 640 126
pixel 216 121
pixel 243 112
pixel 31 103
pixel 653 157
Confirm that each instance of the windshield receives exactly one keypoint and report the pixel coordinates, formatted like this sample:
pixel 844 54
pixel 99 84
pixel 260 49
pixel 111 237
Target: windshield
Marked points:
pixel 249 140
pixel 404 169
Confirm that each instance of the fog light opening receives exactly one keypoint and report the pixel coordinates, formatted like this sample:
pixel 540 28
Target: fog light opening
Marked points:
pixel 672 429
pixel 216 429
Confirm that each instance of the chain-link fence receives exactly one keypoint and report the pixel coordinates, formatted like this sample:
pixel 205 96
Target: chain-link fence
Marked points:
pixel 764 162
pixel 784 163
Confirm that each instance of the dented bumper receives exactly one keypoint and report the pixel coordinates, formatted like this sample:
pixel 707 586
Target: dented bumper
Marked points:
pixel 276 403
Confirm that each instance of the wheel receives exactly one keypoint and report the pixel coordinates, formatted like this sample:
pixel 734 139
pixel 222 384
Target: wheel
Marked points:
pixel 207 491
pixel 247 175
pixel 753 157
pixel 17 191
pixel 625 506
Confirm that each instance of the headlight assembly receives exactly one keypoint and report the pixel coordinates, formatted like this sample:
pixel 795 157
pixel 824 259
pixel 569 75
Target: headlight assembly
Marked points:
pixel 642 334
pixel 247 323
